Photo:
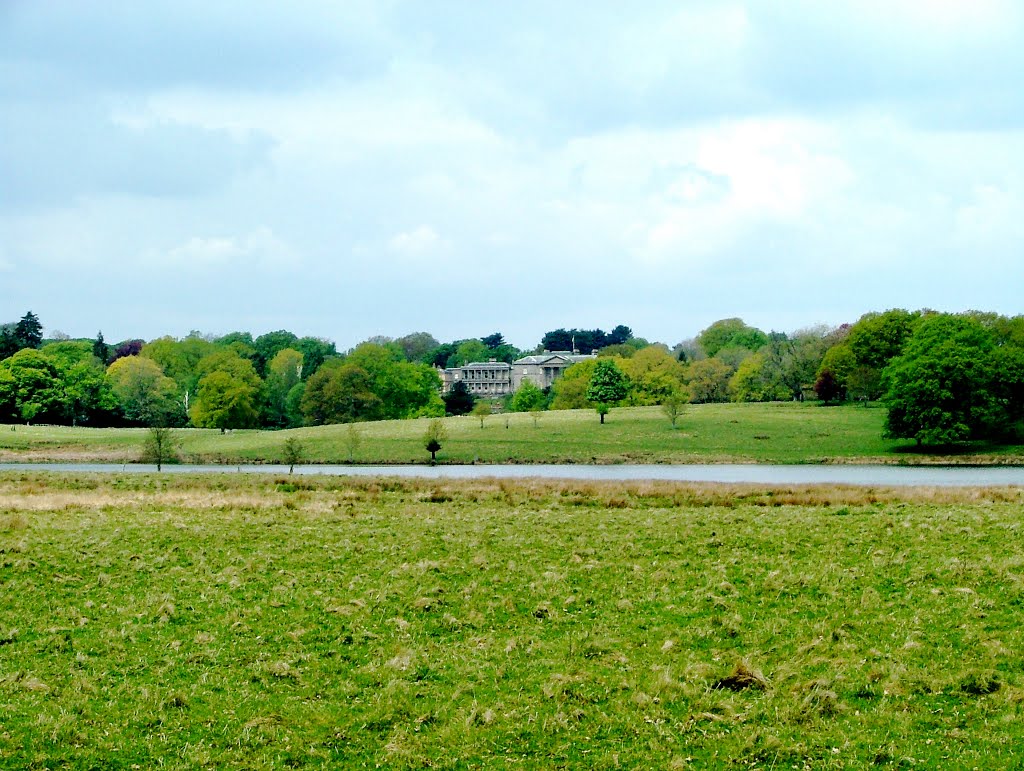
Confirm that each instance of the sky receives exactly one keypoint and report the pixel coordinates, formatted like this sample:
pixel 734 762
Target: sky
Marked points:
pixel 382 167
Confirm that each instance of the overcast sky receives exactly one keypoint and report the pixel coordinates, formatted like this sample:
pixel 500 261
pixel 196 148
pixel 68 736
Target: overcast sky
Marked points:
pixel 348 169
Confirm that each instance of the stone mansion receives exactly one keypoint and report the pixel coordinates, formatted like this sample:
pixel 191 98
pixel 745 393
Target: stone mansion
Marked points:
pixel 496 378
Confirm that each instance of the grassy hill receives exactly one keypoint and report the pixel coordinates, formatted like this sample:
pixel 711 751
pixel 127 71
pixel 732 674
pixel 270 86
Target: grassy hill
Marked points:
pixel 709 433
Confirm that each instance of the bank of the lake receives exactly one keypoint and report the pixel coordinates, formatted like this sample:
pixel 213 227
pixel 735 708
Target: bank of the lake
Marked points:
pixel 777 433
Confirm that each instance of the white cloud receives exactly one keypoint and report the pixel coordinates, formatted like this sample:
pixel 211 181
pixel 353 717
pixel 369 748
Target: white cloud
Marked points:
pixel 259 248
pixel 421 242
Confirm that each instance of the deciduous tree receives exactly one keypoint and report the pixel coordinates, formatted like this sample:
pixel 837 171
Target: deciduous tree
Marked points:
pixel 570 390
pixel 708 380
pixel 292 452
pixel 434 436
pixel 673 405
pixel 730 332
pixel 527 397
pixel 482 411
pixel 37 387
pixel 654 374
pixel 160 446
pixel 828 388
pixel 940 389
pixel 608 386
pixel 225 401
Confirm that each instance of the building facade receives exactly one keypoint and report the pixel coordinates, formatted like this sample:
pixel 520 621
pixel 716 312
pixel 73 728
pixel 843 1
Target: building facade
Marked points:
pixel 496 378
pixel 491 378
pixel 543 369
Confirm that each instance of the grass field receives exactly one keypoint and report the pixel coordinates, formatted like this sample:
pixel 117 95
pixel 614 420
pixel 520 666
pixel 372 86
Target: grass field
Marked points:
pixel 249 622
pixel 710 433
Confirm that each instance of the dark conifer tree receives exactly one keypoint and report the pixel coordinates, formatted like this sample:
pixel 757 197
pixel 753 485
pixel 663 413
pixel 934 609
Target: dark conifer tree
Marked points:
pixel 29 332
pixel 100 349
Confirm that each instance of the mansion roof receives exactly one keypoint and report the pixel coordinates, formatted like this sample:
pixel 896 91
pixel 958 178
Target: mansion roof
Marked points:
pixel 552 356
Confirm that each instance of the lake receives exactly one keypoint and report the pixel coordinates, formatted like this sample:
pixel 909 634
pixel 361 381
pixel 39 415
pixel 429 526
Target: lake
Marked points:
pixel 866 475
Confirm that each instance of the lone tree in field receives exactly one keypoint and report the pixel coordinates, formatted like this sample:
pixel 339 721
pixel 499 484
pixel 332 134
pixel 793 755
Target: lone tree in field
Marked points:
pixel 353 438
pixel 159 447
pixel 482 411
pixel 608 386
pixel 673 405
pixel 432 439
pixel 292 452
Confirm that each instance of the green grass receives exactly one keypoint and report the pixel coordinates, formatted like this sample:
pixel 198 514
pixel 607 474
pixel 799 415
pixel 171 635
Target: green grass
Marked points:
pixel 711 433
pixel 226 622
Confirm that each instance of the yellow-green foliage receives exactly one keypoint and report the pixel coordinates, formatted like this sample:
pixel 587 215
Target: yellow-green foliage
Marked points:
pixel 241 622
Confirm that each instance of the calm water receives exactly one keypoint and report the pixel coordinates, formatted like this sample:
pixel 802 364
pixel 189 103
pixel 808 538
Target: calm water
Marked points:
pixel 948 476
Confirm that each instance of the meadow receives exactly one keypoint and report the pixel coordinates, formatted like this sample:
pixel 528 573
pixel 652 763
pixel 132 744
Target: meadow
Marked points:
pixel 708 433
pixel 219 621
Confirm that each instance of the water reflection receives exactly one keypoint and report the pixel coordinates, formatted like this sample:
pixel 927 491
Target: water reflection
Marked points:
pixel 868 475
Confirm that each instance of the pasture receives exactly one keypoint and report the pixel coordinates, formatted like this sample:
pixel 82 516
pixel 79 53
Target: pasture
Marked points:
pixel 219 621
pixel 708 433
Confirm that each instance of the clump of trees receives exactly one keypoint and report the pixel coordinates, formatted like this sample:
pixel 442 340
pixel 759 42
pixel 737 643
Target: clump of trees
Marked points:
pixel 957 378
pixel 585 341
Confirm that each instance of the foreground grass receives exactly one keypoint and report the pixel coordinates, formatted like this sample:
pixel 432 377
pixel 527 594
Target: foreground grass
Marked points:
pixel 230 622
pixel 709 433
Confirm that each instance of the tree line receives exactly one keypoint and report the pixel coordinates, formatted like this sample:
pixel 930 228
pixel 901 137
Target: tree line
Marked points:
pixel 944 377
pixel 276 380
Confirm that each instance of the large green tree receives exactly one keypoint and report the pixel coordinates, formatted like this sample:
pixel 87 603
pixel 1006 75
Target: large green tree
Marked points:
pixel 230 393
pixel 877 338
pixel 708 380
pixel 416 345
pixel 88 394
pixel 341 392
pixel 758 379
pixel 527 397
pixel 654 374
pixel 145 394
pixel 180 359
pixel 225 401
pixel 570 390
pixel 728 333
pixel 608 386
pixel 940 389
pixel 33 387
